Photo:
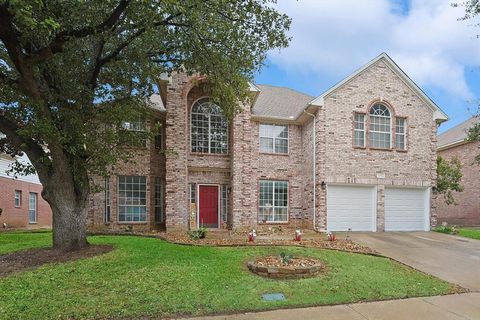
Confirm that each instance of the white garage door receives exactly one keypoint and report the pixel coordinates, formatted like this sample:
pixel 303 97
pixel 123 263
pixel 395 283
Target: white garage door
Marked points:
pixel 351 207
pixel 406 209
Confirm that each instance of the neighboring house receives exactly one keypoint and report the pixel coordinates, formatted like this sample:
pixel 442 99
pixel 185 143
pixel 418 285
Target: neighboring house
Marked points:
pixel 451 144
pixel 361 156
pixel 21 199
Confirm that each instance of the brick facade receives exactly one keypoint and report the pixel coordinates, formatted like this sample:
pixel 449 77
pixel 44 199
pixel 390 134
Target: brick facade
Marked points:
pixel 244 166
pixel 467 210
pixel 17 217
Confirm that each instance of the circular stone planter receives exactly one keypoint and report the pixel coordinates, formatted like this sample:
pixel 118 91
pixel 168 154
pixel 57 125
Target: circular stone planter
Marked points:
pixel 272 267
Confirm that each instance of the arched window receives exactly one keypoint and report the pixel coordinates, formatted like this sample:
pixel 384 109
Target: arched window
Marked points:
pixel 209 128
pixel 380 134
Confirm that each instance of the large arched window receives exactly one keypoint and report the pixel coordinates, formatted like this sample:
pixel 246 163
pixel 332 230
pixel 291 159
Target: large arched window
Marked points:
pixel 209 128
pixel 380 134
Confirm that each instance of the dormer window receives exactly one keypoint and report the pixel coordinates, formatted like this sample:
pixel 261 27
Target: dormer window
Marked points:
pixel 209 128
pixel 380 134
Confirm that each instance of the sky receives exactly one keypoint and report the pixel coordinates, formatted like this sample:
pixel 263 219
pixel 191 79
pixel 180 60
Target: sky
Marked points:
pixel 332 39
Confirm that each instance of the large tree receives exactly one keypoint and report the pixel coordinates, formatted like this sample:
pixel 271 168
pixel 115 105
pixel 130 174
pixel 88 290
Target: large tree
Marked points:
pixel 72 71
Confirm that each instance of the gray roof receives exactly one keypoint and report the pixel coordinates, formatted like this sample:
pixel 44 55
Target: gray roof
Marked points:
pixel 156 103
pixel 279 102
pixel 457 133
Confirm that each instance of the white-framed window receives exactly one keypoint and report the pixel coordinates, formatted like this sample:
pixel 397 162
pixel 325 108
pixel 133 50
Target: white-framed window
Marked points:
pixel 132 199
pixel 273 204
pixel 273 138
pixel 224 202
pixel 380 134
pixel 32 207
pixel 359 130
pixel 134 133
pixel 208 128
pixel 18 198
pixel 159 191
pixel 401 134
pixel 107 213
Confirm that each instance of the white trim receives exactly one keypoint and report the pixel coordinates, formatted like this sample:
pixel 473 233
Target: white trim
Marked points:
pixel 438 113
pixel 197 201
pixel 427 208
pixel 452 144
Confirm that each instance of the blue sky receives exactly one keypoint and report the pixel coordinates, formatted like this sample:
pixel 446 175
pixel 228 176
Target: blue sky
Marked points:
pixel 331 39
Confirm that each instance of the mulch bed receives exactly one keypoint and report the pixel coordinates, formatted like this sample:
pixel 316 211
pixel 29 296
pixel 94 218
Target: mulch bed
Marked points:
pixel 276 261
pixel 339 244
pixel 34 258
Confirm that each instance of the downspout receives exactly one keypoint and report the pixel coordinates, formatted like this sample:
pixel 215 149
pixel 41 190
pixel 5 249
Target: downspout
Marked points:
pixel 314 168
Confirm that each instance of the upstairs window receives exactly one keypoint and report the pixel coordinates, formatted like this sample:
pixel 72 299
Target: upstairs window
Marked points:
pixel 134 134
pixel 359 130
pixel 400 134
pixel 380 134
pixel 209 128
pixel 273 138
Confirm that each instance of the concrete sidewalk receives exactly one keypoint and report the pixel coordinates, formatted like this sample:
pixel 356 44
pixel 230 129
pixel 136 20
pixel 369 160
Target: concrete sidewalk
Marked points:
pixel 454 307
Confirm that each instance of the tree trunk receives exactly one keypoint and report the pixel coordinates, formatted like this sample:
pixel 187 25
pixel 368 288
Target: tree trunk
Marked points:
pixel 69 225
pixel 69 215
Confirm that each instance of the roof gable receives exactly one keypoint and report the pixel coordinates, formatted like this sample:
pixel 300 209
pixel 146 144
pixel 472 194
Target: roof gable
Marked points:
pixel 439 115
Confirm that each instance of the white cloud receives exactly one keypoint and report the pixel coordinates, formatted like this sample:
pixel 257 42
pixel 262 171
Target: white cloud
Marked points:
pixel 333 38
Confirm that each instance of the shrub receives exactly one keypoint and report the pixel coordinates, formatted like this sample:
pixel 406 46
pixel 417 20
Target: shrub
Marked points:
pixel 285 257
pixel 445 228
pixel 198 234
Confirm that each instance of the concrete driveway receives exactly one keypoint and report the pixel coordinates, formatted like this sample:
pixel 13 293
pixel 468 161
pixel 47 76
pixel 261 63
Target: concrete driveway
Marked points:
pixel 454 259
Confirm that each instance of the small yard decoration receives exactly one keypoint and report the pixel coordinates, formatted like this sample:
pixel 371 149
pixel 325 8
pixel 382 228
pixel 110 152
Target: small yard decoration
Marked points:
pixel 298 235
pixel 286 266
pixel 331 236
pixel 252 235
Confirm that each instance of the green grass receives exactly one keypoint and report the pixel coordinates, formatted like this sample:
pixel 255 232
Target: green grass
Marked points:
pixel 146 277
pixel 469 233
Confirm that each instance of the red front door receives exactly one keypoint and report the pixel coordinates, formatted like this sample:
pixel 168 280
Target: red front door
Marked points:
pixel 208 206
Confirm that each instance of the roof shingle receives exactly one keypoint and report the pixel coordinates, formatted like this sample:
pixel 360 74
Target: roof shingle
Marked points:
pixel 457 133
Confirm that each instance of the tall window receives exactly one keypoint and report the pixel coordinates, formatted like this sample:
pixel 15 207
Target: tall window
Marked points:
pixel 224 209
pixel 107 217
pixel 273 138
pixel 18 198
pixel 359 130
pixel 32 208
pixel 273 201
pixel 380 127
pixel 134 133
pixel 159 214
pixel 209 128
pixel 132 199
pixel 400 134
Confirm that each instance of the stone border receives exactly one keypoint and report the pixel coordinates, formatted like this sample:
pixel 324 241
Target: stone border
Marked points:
pixel 285 272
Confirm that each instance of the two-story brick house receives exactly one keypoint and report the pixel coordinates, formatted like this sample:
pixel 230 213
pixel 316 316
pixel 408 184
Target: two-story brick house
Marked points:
pixel 361 156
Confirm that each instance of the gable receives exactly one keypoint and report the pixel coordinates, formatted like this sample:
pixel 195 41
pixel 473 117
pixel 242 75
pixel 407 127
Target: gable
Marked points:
pixel 384 59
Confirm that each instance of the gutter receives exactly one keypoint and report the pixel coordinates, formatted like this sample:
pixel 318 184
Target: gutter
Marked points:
pixel 314 168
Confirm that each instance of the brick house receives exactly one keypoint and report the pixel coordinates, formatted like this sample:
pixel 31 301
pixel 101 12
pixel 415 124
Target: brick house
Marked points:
pixel 20 198
pixel 451 144
pixel 361 156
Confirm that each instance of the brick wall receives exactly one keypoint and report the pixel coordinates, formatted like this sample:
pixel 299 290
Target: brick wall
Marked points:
pixel 18 217
pixel 467 210
pixel 341 163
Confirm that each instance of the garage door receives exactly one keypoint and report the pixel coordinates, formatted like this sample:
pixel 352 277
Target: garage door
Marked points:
pixel 406 209
pixel 351 207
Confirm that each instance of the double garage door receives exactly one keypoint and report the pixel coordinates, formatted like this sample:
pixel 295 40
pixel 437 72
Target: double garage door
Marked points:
pixel 354 208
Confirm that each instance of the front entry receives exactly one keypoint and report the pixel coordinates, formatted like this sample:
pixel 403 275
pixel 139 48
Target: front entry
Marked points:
pixel 208 206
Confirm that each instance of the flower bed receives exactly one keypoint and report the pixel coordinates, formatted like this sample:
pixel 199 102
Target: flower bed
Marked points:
pixel 275 267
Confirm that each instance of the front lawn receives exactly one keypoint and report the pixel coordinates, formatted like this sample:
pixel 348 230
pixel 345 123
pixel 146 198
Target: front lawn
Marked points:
pixel 469 233
pixel 146 277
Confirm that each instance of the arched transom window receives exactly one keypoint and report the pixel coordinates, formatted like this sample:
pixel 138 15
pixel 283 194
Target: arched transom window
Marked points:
pixel 380 134
pixel 209 128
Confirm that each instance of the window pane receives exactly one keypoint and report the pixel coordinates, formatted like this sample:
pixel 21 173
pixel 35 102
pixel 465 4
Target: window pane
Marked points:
pixel 209 128
pixel 132 191
pixel 273 202
pixel 273 138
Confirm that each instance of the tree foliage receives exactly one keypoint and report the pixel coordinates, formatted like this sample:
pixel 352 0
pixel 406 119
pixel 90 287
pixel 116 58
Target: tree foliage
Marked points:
pixel 449 176
pixel 71 72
